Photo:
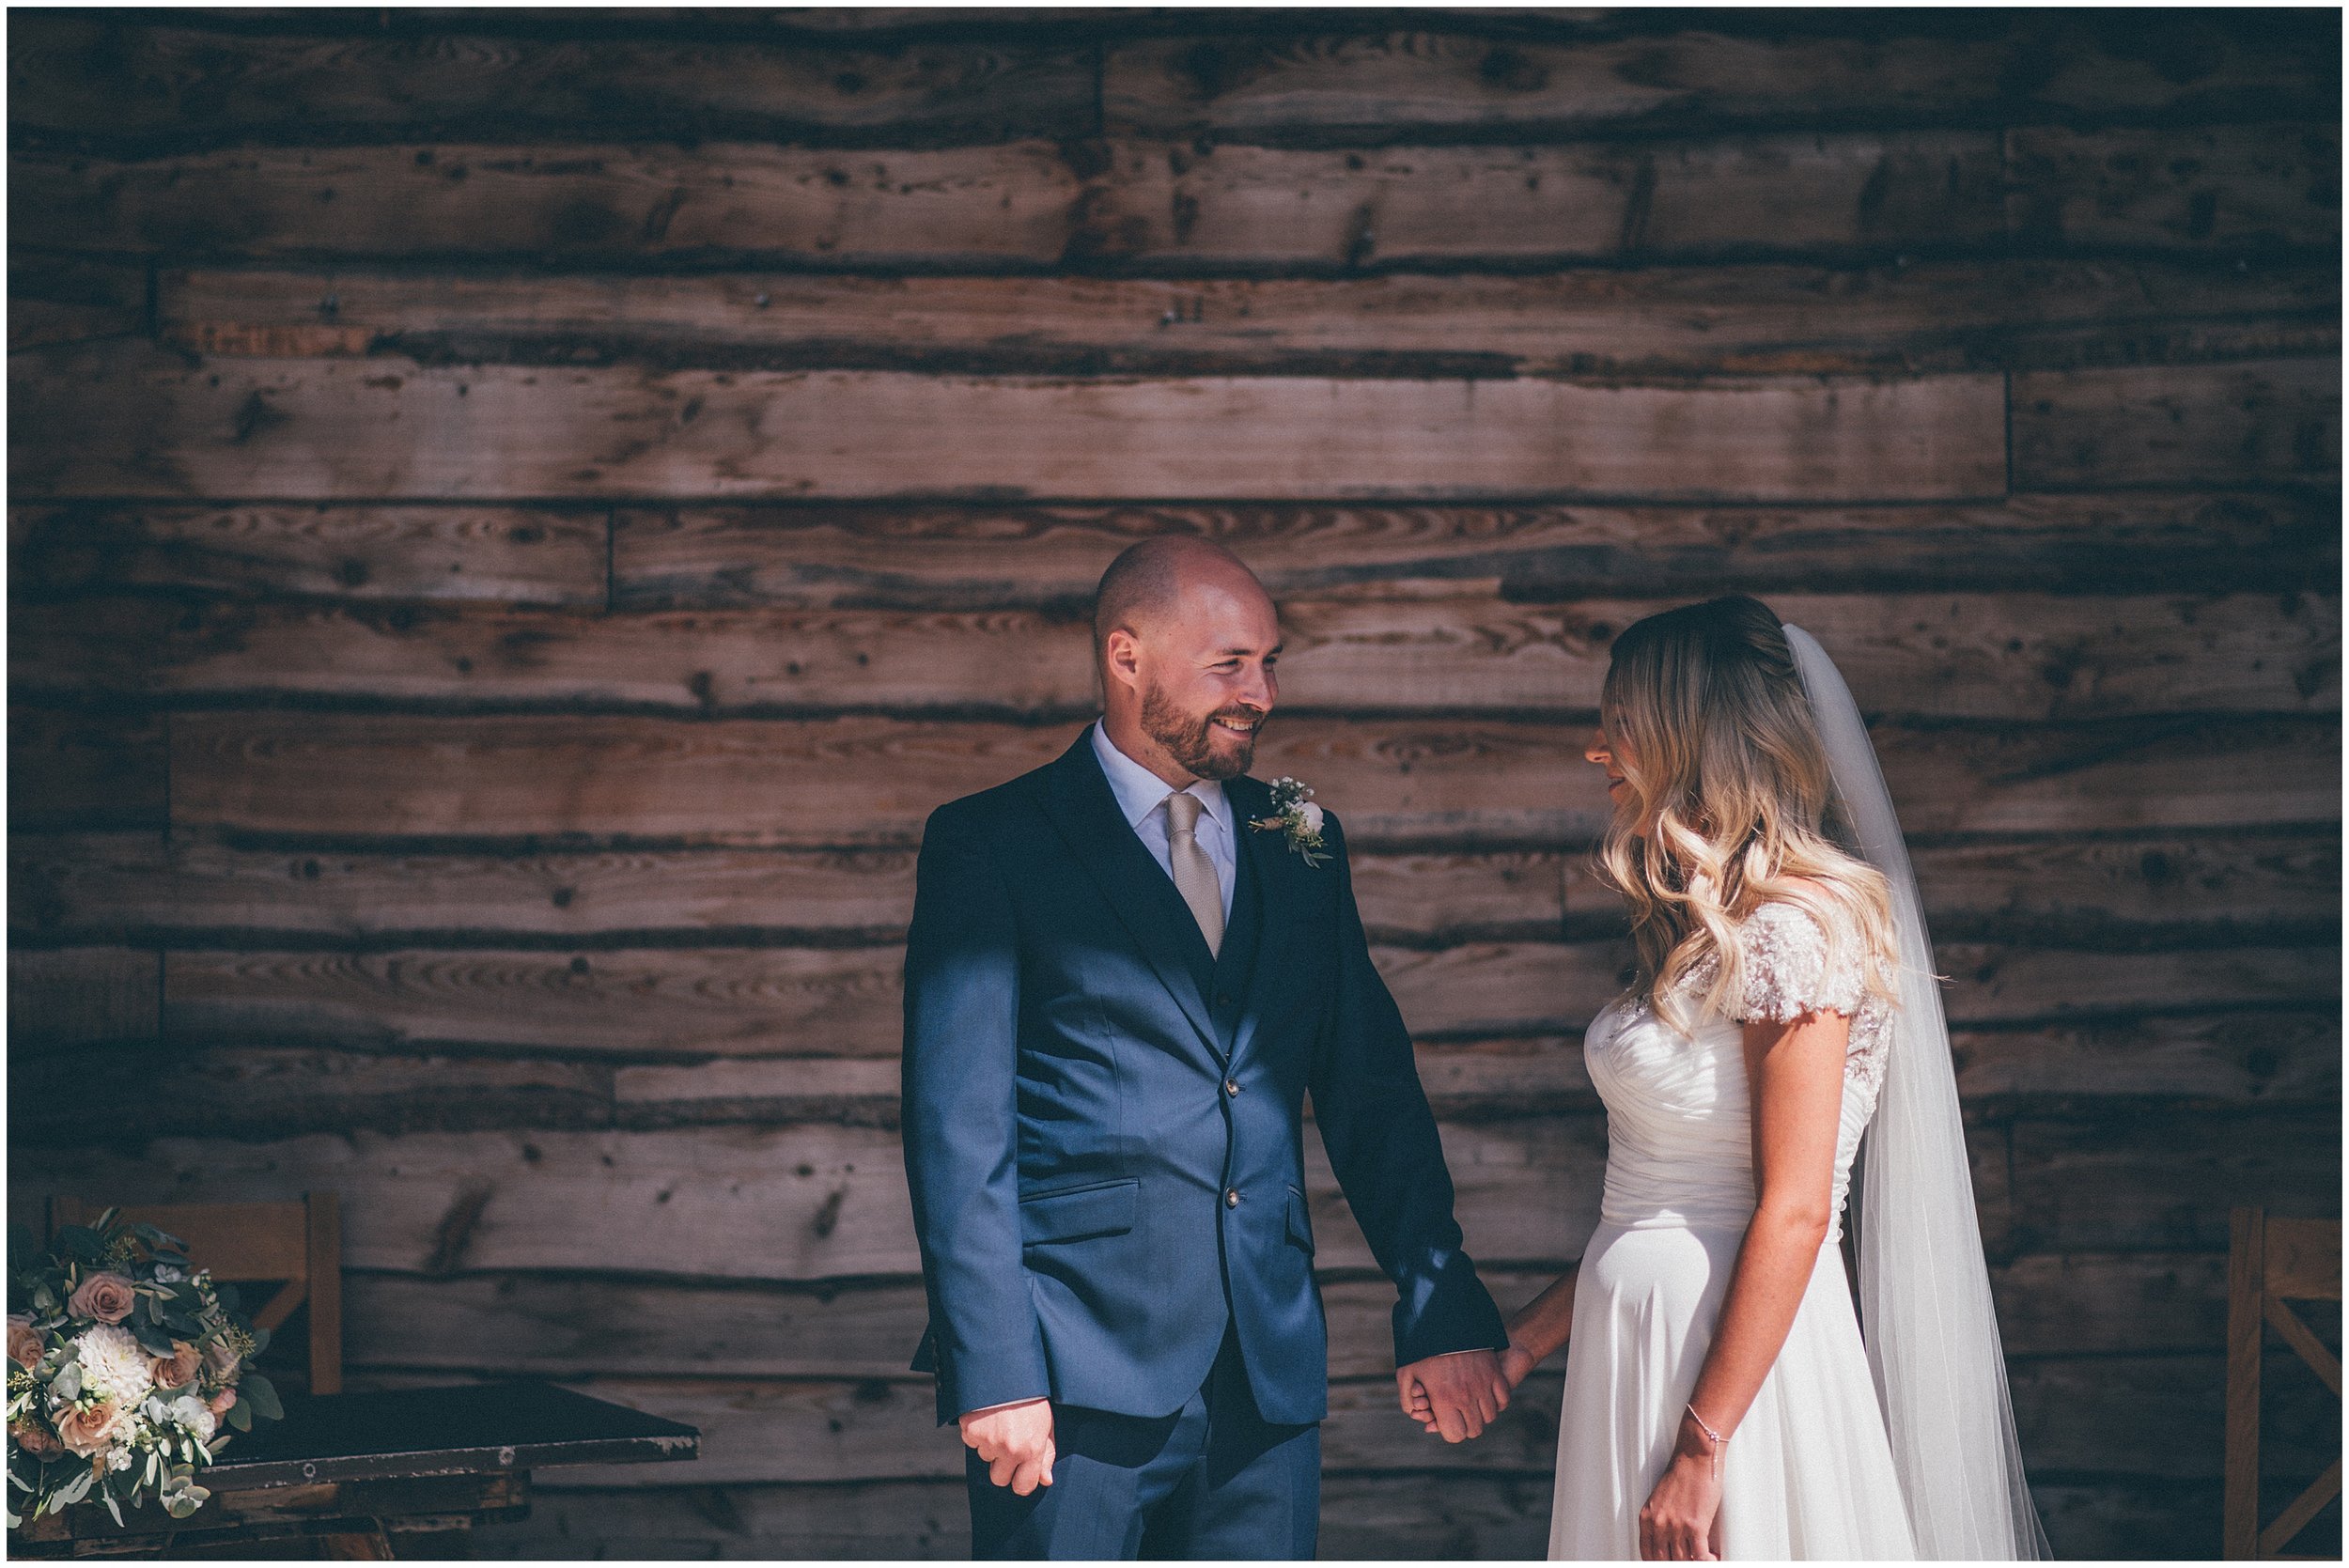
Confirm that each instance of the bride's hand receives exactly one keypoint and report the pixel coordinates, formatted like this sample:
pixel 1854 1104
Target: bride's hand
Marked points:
pixel 1516 1363
pixel 1676 1526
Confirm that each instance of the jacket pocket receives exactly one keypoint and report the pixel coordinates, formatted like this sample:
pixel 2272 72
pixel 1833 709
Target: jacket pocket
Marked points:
pixel 1071 1213
pixel 1301 1222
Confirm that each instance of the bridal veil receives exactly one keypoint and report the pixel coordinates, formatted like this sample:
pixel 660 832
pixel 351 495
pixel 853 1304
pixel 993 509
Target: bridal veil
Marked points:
pixel 1925 1310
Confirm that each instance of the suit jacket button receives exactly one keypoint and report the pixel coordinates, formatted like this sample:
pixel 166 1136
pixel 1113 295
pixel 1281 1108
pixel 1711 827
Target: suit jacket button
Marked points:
pixel 1223 998
pixel 1230 1086
pixel 1230 1198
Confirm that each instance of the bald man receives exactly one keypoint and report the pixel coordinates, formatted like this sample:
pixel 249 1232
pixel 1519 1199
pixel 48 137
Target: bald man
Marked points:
pixel 1119 989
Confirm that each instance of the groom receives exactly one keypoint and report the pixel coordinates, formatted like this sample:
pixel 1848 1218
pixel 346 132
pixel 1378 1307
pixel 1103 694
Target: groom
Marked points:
pixel 1118 989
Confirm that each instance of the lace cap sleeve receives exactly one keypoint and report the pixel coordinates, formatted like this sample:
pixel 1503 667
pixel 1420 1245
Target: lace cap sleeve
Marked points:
pixel 1787 973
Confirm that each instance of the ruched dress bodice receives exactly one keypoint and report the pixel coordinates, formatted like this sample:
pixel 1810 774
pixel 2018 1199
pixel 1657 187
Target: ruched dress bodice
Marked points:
pixel 1679 1117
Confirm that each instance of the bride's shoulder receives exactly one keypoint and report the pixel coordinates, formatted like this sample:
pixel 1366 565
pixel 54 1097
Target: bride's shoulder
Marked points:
pixel 1798 959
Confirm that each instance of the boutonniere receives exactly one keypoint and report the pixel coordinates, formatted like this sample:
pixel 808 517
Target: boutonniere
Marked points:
pixel 1296 816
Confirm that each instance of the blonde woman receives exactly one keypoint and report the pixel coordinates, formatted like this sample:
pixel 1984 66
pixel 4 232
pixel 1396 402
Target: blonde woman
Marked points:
pixel 1719 1401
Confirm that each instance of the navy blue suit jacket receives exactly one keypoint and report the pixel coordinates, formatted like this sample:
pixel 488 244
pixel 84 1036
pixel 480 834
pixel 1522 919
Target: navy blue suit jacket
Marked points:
pixel 1102 1120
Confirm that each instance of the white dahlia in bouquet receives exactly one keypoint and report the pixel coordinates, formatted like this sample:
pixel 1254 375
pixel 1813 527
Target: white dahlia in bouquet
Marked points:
pixel 128 1371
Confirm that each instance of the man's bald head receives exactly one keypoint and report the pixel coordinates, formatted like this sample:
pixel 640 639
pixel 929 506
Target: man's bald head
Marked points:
pixel 1186 639
pixel 1150 579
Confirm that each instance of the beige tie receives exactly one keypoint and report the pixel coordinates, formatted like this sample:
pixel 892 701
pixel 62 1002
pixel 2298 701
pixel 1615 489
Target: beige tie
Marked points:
pixel 1194 872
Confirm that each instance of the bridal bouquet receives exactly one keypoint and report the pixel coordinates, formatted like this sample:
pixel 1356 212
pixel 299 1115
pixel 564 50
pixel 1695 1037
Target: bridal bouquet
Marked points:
pixel 125 1367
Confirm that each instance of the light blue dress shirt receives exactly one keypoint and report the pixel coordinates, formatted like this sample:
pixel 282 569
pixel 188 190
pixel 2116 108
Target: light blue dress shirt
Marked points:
pixel 1141 796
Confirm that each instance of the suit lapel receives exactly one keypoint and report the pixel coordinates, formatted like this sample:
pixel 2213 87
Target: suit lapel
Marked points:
pixel 1268 859
pixel 1138 888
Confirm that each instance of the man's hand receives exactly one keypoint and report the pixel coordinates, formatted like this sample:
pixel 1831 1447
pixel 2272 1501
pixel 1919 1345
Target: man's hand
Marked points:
pixel 1016 1440
pixel 1457 1395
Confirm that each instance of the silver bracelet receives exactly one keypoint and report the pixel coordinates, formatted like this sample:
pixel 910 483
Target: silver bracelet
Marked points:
pixel 1717 1440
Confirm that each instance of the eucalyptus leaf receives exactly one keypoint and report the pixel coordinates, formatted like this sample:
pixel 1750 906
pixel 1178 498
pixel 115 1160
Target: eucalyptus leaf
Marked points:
pixel 262 1393
pixel 241 1415
pixel 68 1383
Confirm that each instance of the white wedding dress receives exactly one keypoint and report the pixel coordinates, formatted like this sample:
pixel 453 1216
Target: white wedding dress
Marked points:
pixel 1808 1473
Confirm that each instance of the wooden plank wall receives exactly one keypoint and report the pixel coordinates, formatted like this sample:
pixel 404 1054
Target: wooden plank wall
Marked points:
pixel 517 516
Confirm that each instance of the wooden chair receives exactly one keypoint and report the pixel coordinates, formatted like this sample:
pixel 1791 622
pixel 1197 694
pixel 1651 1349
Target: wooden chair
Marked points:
pixel 300 1243
pixel 2273 1261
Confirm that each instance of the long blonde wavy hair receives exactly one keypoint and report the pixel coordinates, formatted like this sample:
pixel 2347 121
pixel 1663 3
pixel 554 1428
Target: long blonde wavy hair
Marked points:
pixel 1726 803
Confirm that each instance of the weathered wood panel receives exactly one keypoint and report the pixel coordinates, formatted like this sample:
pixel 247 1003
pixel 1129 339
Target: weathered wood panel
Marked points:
pixel 512 554
pixel 108 422
pixel 1034 203
pixel 2274 421
pixel 2257 1057
pixel 757 1202
pixel 2227 187
pixel 76 996
pixel 101 83
pixel 70 298
pixel 986 207
pixel 491 1324
pixel 1205 205
pixel 198 887
pixel 203 1087
pixel 173 84
pixel 1378 86
pixel 2012 655
pixel 826 1201
pixel 197 891
pixel 650 1003
pixel 71 770
pixel 630 1004
pixel 169 1086
pixel 1750 318
pixel 869 782
pixel 2105 884
pixel 2165 1179
pixel 2064 1406
pixel 996 558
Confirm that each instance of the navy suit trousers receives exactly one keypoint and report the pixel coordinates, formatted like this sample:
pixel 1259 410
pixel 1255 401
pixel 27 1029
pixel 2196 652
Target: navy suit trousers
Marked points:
pixel 1215 1480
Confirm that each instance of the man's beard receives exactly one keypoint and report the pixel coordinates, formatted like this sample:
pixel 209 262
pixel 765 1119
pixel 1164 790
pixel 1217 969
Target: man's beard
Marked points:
pixel 1191 741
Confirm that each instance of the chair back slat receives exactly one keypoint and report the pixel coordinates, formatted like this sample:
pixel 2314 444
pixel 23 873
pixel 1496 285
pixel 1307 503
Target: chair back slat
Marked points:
pixel 2304 1259
pixel 236 1241
pixel 2270 1262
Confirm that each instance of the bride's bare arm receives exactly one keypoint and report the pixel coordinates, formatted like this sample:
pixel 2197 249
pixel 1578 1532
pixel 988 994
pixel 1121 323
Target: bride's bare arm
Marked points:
pixel 1539 1327
pixel 1796 1073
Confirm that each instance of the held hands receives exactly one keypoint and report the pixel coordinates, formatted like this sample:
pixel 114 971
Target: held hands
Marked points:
pixel 1016 1440
pixel 1456 1395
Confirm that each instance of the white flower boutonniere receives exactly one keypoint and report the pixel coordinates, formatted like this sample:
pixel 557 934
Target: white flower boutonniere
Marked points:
pixel 1295 816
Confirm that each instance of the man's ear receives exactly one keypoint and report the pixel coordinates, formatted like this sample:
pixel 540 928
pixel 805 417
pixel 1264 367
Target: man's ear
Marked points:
pixel 1121 659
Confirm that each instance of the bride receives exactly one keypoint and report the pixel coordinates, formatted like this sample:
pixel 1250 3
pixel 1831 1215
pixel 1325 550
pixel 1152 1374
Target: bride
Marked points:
pixel 1719 1400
